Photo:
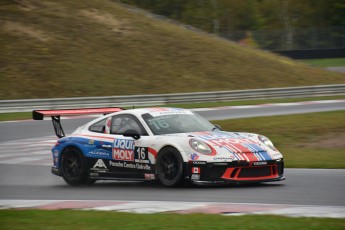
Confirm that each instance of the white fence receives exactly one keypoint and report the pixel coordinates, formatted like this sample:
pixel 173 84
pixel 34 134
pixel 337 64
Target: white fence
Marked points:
pixel 164 99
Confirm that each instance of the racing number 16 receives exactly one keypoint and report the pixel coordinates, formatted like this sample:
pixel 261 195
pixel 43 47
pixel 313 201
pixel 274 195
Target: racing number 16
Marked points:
pixel 141 152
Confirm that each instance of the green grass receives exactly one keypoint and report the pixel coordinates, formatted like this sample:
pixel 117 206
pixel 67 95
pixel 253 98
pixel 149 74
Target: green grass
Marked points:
pixel 97 48
pixel 329 62
pixel 69 219
pixel 253 102
pixel 15 116
pixel 28 115
pixel 313 140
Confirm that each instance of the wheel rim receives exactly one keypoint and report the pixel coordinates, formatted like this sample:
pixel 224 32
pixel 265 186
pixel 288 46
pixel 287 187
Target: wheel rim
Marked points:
pixel 169 167
pixel 72 165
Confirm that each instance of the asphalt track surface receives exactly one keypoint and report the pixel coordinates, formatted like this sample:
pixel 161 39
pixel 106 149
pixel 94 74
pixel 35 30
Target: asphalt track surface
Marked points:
pixel 28 129
pixel 337 69
pixel 303 186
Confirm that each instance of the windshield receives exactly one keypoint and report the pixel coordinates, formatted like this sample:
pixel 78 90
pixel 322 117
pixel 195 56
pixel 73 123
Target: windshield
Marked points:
pixel 177 123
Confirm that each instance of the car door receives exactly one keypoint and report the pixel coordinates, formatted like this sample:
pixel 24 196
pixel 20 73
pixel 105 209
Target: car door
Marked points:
pixel 128 154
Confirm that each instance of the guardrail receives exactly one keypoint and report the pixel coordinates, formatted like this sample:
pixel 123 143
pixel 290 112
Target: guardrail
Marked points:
pixel 163 99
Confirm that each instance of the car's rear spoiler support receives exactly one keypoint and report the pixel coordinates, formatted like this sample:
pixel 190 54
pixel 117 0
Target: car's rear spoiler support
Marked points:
pixel 56 114
pixel 57 127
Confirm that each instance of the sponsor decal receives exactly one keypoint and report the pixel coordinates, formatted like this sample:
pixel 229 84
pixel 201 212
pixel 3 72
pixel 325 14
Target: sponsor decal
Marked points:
pixel 155 112
pixel 277 154
pixel 55 157
pixel 94 174
pixel 232 141
pixel 260 163
pixel 55 153
pixel 128 165
pixel 194 157
pixel 55 162
pixel 215 135
pixel 195 177
pixel 99 153
pixel 123 150
pixel 199 162
pixel 223 158
pixel 90 143
pixel 196 170
pixel 99 164
pixel 149 176
pixel 143 166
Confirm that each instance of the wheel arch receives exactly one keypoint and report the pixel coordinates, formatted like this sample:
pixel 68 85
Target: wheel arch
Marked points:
pixel 179 149
pixel 77 179
pixel 63 149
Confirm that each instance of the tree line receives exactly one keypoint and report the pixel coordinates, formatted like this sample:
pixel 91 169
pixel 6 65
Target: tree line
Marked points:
pixel 226 17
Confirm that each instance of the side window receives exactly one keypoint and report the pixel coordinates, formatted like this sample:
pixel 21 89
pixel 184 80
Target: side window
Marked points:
pixel 122 123
pixel 98 127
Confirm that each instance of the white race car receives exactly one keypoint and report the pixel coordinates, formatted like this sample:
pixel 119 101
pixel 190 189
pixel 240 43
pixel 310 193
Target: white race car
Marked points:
pixel 172 145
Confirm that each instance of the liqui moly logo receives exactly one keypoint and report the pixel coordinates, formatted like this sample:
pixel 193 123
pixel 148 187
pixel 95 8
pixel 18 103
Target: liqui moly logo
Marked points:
pixel 123 150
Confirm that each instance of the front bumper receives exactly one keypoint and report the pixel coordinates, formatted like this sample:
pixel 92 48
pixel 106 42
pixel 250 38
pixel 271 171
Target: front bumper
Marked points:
pixel 237 171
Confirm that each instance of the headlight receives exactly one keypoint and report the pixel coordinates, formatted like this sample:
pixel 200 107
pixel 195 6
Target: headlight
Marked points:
pixel 201 147
pixel 267 142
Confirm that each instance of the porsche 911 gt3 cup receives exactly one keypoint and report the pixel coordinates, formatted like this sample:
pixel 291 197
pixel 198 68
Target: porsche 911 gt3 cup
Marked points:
pixel 171 145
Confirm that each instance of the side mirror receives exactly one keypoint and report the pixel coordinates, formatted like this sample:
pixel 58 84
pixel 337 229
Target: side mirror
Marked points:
pixel 218 127
pixel 132 133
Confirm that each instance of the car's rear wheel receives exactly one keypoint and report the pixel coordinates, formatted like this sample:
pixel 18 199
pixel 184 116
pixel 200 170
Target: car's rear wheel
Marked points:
pixel 169 167
pixel 74 168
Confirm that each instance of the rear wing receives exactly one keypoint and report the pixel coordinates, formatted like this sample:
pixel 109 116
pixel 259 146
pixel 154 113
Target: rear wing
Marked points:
pixel 55 115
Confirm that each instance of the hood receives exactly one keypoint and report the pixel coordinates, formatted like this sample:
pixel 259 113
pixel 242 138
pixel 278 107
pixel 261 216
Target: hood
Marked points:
pixel 235 146
pixel 236 142
pixel 232 141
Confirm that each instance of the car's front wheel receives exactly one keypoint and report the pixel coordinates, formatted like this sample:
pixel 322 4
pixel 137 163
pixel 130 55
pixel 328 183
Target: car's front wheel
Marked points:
pixel 169 167
pixel 74 168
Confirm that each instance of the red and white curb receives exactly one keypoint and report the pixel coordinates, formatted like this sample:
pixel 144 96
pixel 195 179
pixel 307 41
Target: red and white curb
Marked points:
pixel 228 209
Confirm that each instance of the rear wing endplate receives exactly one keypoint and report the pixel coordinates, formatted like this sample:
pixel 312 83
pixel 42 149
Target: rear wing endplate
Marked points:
pixel 55 115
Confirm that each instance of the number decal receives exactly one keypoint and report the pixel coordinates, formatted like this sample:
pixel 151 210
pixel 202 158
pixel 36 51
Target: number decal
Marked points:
pixel 141 155
pixel 154 123
pixel 163 124
pixel 159 124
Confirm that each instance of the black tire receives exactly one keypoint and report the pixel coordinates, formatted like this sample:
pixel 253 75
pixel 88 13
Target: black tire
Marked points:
pixel 169 167
pixel 74 168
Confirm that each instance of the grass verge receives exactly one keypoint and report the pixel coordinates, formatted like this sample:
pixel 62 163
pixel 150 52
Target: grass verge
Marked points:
pixel 15 116
pixel 75 48
pixel 70 219
pixel 329 62
pixel 313 140
pixel 28 115
pixel 253 102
